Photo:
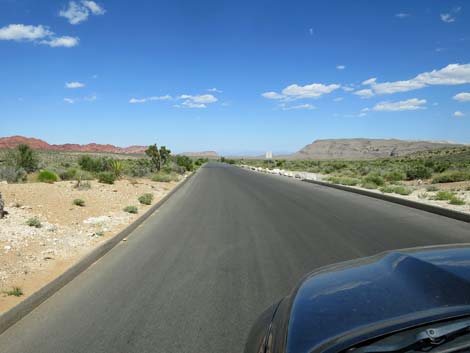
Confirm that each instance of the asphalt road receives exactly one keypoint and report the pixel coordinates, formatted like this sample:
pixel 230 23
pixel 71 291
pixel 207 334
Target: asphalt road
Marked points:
pixel 194 276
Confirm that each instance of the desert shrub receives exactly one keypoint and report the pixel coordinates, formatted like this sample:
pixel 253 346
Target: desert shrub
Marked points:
pixel 23 157
pixel 83 175
pixel 79 202
pixel 451 177
pixel 15 291
pixel 69 174
pixel 185 162
pixel 369 185
pixel 12 174
pixel 34 222
pixel 418 171
pixel 374 178
pixel 444 195
pixel 395 175
pixel 47 176
pixel 165 177
pixel 106 178
pixel 387 189
pixel 401 190
pixel 94 165
pixel 131 209
pixel 454 200
pixel 138 168
pixel 146 199
pixel 200 161
pixel 344 181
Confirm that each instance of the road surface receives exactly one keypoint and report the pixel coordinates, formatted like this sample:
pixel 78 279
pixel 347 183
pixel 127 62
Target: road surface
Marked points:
pixel 194 276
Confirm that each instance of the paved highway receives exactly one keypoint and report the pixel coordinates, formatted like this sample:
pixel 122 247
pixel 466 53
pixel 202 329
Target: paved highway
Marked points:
pixel 194 276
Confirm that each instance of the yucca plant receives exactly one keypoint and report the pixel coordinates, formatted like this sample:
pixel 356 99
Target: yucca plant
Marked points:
pixel 116 167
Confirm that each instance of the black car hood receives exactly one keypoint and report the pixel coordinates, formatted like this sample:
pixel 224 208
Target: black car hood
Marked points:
pixel 350 301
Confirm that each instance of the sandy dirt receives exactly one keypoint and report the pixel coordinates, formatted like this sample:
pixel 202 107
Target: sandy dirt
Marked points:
pixel 31 257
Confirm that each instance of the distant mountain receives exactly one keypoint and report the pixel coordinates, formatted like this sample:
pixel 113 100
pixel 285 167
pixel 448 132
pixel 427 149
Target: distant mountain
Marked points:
pixel 362 148
pixel 204 154
pixel 37 144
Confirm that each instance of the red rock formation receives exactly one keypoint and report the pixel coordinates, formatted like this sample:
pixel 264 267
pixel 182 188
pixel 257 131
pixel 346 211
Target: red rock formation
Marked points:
pixel 37 144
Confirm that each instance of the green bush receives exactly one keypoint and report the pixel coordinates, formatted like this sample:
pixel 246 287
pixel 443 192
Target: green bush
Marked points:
pixel 395 175
pixel 131 209
pixel 374 178
pixel 146 199
pixel 401 190
pixel 12 174
pixel 344 181
pixel 454 200
pixel 418 171
pixel 451 177
pixel 369 185
pixel 185 162
pixel 444 195
pixel 106 178
pixel 94 165
pixel 165 177
pixel 23 157
pixel 34 222
pixel 79 202
pixel 69 174
pixel 47 176
pixel 15 291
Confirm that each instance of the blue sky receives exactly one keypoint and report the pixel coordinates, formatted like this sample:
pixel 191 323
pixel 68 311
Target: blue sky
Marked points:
pixel 236 77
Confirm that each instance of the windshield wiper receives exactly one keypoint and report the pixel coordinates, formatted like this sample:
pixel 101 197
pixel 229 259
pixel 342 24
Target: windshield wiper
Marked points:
pixel 420 339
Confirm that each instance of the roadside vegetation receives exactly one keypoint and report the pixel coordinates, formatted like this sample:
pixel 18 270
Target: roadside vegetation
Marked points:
pixel 24 164
pixel 395 175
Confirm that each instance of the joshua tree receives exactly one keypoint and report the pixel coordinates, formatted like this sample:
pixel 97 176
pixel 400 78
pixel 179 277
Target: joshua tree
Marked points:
pixel 154 154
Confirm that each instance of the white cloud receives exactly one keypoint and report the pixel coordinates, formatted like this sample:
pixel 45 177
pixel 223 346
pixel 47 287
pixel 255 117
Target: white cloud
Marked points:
pixel 191 104
pixel 410 104
pixel 447 18
pixel 293 92
pixel 306 106
pixel 91 98
pixel 462 97
pixel 94 7
pixel 364 93
pixel 272 95
pixel 402 15
pixel 149 99
pixel 313 90
pixel 20 32
pixel 347 89
pixel 215 90
pixel 74 84
pixel 452 74
pixel 37 34
pixel 338 99
pixel 69 100
pixel 65 41
pixel 76 13
pixel 341 67
pixel 203 98
pixel 458 114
